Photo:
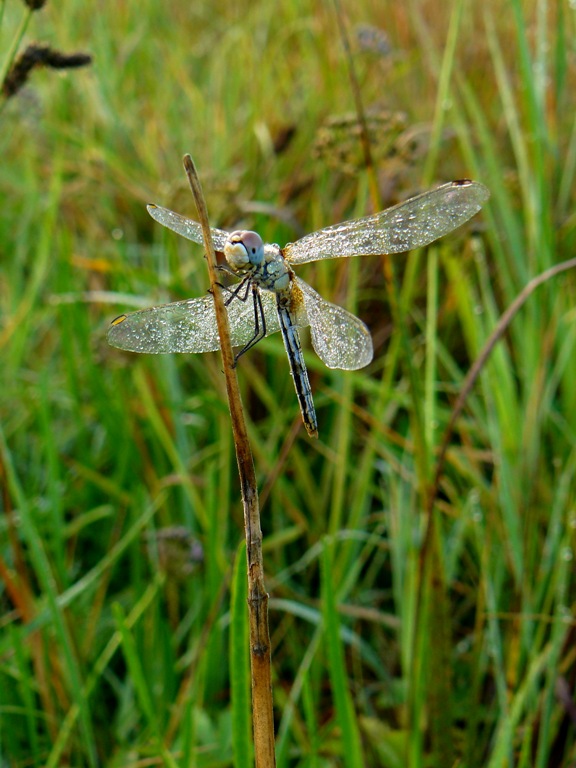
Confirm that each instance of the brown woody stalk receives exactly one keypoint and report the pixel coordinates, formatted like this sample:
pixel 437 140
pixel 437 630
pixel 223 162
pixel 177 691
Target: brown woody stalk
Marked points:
pixel 262 712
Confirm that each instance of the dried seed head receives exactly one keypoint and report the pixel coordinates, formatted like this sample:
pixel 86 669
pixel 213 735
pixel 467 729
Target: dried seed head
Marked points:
pixel 39 55
pixel 373 39
pixel 58 60
pixel 35 5
pixel 179 553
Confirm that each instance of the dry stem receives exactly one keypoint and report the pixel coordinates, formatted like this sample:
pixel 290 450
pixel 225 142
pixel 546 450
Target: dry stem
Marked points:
pixel 262 712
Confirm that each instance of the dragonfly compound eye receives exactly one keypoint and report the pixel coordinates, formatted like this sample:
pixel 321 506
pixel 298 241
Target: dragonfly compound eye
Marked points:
pixel 236 255
pixel 244 249
pixel 254 245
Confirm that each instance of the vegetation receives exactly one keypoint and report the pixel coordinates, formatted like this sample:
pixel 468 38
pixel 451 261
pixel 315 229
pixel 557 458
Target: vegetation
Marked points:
pixel 401 636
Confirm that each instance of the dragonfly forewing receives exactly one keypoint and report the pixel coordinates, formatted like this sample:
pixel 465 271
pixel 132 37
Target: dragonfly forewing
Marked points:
pixel 189 326
pixel 412 224
pixel 186 227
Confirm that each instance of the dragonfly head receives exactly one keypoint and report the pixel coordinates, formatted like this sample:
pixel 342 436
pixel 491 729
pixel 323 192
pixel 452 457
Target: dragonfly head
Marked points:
pixel 244 250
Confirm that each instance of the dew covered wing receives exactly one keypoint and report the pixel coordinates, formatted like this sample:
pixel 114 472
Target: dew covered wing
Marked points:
pixel 340 339
pixel 183 326
pixel 412 224
pixel 189 326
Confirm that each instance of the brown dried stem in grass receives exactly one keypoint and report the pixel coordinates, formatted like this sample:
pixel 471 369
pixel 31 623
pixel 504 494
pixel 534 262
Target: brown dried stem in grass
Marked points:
pixel 479 363
pixel 262 713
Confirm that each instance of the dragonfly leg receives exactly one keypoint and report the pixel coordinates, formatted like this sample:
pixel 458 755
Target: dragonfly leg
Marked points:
pixel 236 291
pixel 259 323
pixel 225 268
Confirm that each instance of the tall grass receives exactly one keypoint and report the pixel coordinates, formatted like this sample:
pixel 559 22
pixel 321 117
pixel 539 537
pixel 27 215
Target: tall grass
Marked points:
pixel 117 647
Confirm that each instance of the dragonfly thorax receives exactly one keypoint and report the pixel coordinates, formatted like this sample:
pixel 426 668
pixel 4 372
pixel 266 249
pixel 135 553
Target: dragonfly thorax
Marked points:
pixel 274 273
pixel 246 254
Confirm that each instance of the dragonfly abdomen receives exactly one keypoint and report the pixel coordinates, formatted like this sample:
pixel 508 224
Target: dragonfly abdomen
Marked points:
pixel 297 367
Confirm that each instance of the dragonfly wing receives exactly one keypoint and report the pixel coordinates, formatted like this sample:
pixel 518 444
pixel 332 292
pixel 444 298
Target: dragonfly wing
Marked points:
pixel 340 338
pixel 186 227
pixel 412 224
pixel 183 326
pixel 188 326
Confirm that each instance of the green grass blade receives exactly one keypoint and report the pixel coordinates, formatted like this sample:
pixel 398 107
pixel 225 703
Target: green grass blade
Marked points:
pixel 240 664
pixel 351 743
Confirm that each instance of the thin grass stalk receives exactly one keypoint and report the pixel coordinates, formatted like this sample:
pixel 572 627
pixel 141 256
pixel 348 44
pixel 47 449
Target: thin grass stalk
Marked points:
pixel 559 638
pixel 142 689
pixel 439 692
pixel 443 98
pixel 360 111
pixel 15 44
pixel 479 364
pixel 262 710
pixel 186 693
pixel 352 756
pixel 387 264
pixel 239 676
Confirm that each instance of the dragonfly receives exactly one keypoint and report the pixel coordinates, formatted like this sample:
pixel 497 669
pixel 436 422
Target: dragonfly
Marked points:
pixel 269 297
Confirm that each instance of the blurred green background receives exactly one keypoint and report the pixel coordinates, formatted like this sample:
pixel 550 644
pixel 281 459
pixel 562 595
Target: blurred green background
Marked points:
pixel 117 471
